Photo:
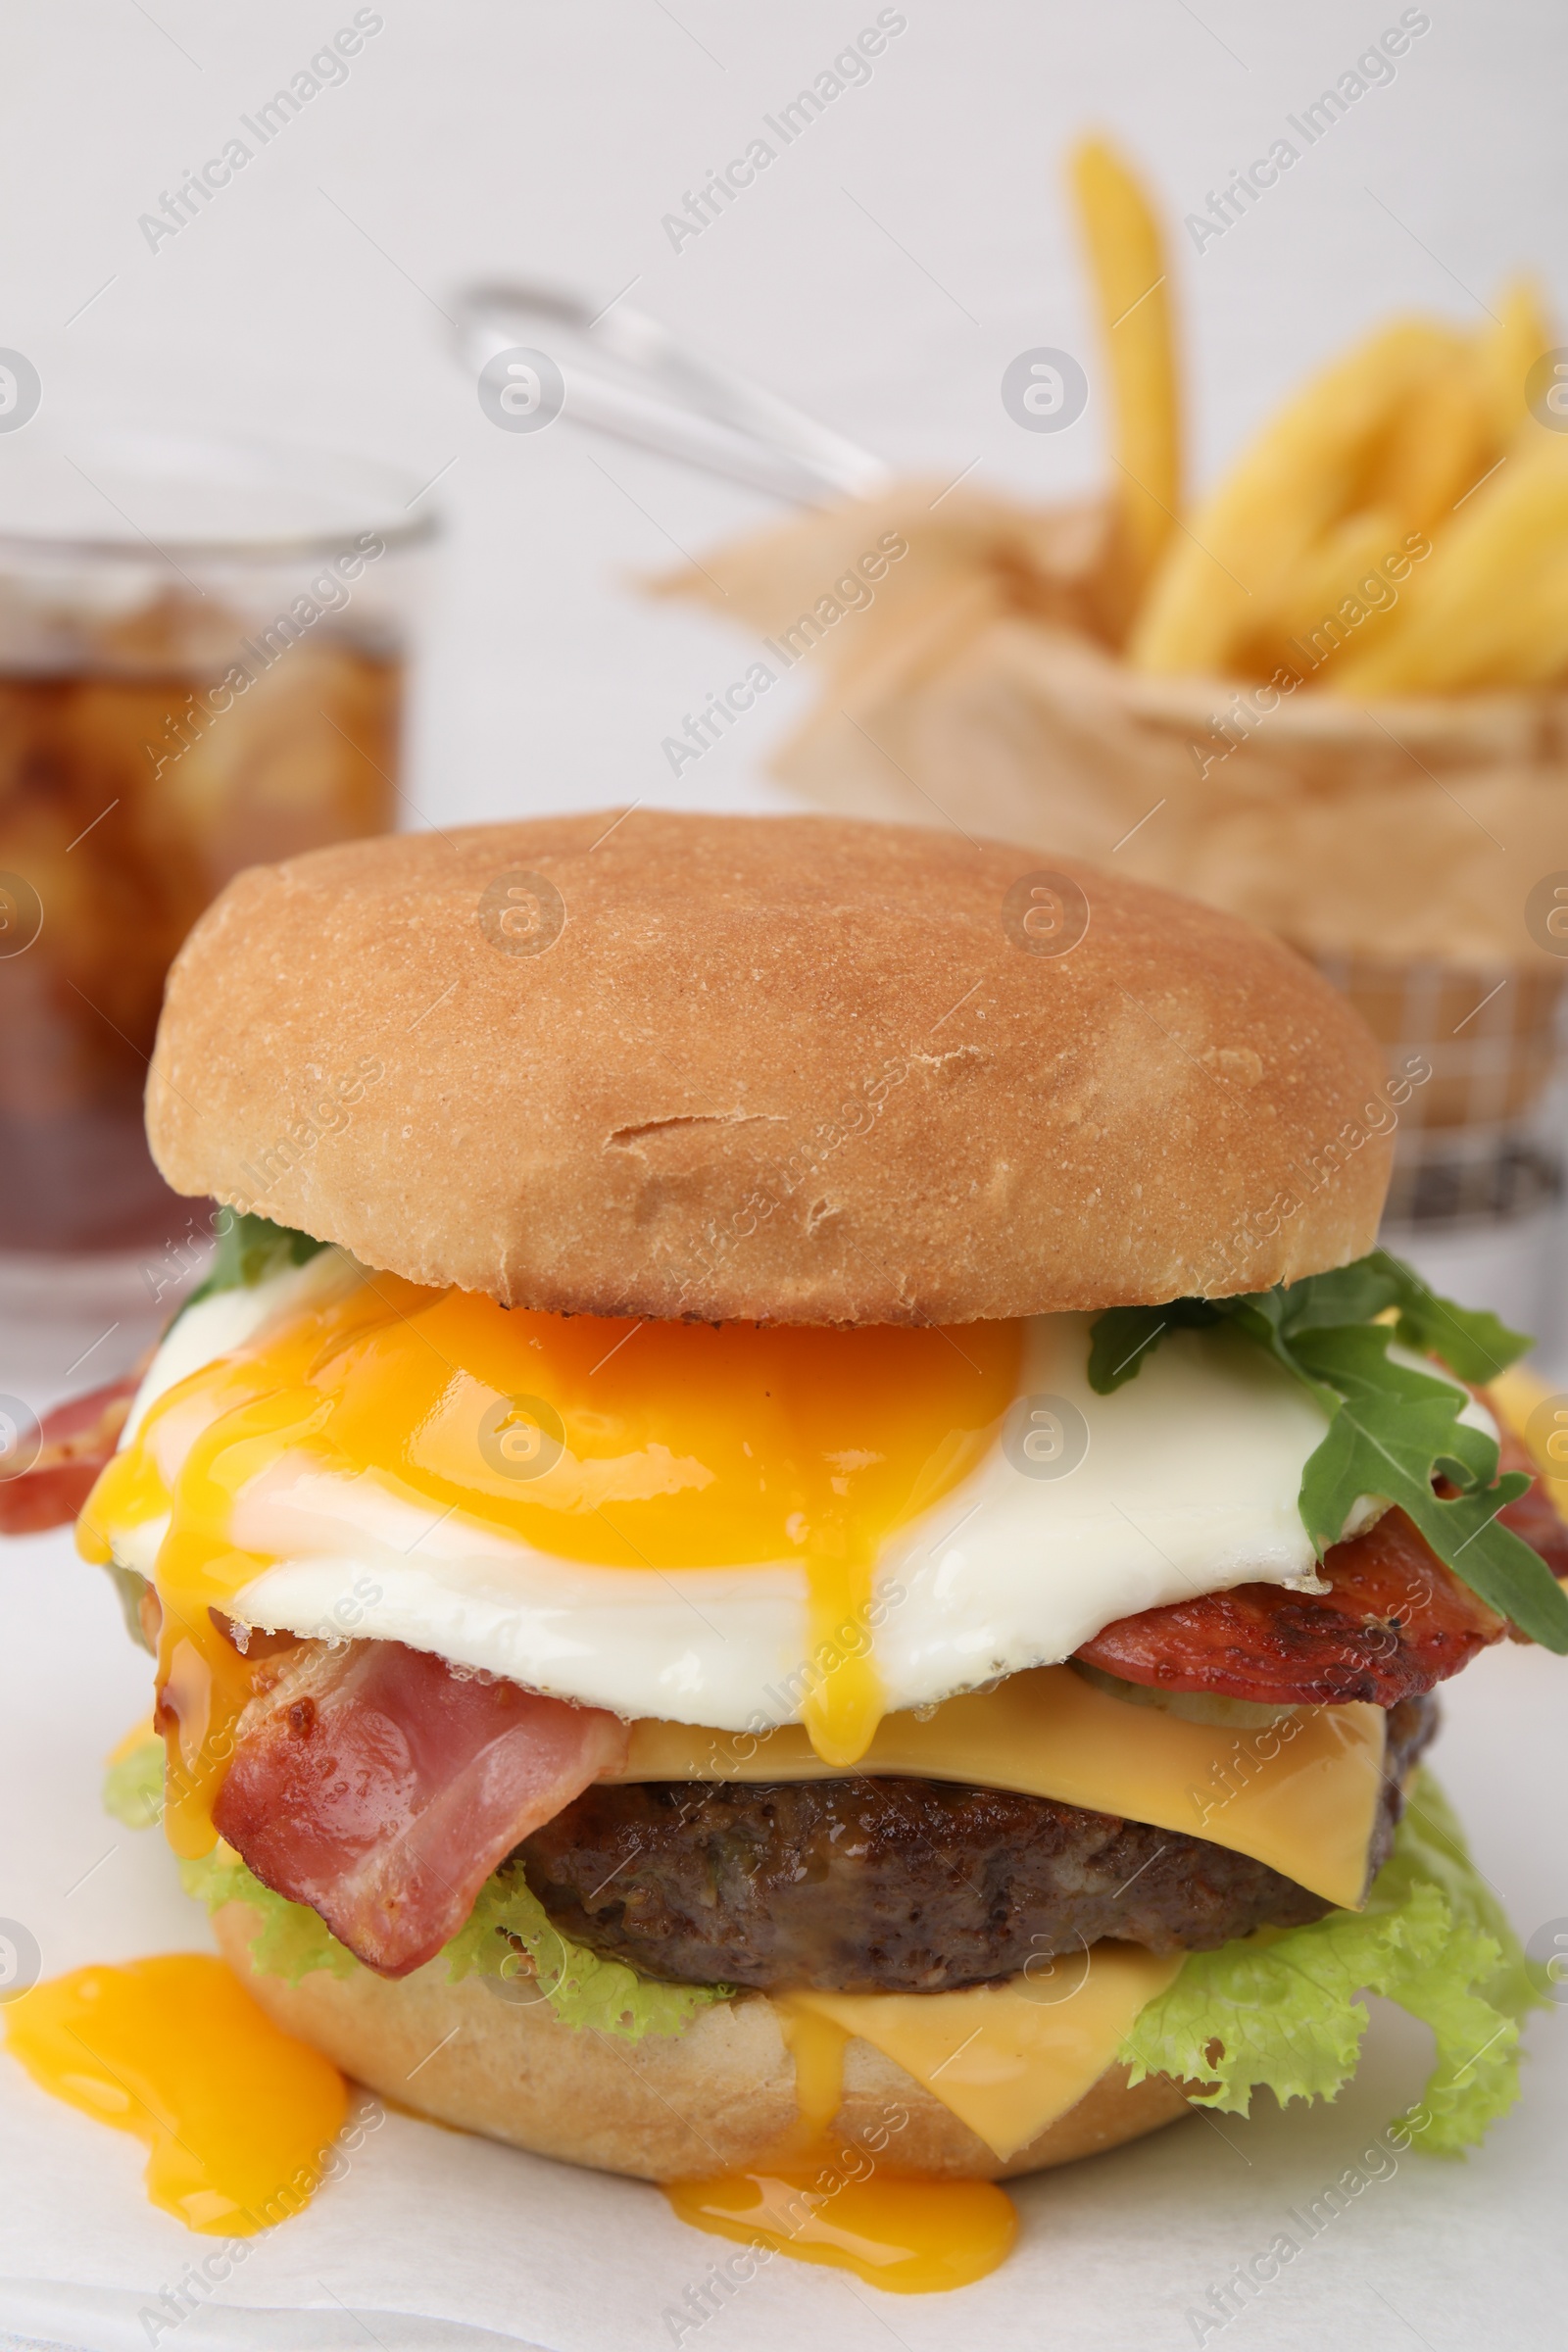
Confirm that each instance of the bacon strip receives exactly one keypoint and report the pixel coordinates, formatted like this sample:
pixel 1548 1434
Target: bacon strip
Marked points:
pixel 383 1786
pixel 77 1439
pixel 1396 1621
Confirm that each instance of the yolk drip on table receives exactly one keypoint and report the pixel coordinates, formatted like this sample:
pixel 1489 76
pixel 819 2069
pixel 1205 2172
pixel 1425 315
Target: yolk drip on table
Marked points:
pixel 838 2198
pixel 238 2117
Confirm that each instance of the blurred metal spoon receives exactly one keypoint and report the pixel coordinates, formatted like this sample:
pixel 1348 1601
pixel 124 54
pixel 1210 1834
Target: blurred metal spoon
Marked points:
pixel 624 374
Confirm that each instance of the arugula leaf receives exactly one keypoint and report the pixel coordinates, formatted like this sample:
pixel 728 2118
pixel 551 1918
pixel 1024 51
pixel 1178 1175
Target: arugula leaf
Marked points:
pixel 251 1249
pixel 1124 1334
pixel 1393 1429
pixel 1470 1341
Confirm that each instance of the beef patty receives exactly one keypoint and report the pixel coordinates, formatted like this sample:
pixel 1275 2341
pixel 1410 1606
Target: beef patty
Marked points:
pixel 863 1885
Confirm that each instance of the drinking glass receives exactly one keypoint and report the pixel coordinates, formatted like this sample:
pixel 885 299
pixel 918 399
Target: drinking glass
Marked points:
pixel 202 657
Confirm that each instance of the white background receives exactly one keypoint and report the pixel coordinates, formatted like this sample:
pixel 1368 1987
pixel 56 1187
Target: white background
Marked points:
pixel 881 273
pixel 478 139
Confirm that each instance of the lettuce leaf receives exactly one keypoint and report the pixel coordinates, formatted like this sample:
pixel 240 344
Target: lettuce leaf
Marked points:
pixel 1279 2008
pixel 291 1943
pixel 133 1785
pixel 508 1936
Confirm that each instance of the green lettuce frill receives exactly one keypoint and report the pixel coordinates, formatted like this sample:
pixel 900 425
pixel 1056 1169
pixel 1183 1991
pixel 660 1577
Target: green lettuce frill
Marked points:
pixel 1279 2008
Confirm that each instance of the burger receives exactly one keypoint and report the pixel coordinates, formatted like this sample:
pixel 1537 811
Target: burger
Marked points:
pixel 800 1545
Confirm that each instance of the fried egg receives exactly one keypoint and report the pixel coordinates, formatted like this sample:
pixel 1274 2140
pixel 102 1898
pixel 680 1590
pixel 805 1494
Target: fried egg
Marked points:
pixel 733 1526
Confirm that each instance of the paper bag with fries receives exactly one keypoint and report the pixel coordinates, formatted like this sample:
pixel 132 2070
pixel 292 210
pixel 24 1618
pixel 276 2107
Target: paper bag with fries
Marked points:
pixel 1332 695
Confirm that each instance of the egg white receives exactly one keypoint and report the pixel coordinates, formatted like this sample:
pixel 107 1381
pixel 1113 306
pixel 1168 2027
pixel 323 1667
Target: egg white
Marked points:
pixel 1189 1486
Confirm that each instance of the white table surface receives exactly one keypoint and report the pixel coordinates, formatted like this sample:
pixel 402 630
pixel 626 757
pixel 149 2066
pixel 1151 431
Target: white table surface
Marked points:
pixel 883 273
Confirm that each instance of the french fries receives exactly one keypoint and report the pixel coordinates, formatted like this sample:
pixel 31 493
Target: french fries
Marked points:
pixel 1400 526
pixel 1128 264
pixel 1223 582
pixel 1350 552
pixel 1491 607
pixel 1439 449
pixel 1508 351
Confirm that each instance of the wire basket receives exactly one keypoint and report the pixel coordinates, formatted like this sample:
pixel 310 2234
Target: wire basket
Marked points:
pixel 1484 1047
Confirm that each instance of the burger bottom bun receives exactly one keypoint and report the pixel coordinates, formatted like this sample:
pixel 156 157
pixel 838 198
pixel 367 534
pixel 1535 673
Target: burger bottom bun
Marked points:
pixel 717 2098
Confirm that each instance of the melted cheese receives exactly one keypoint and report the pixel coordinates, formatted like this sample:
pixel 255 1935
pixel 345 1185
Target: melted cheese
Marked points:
pixel 1300 1795
pixel 1008 2059
pixel 1520 1395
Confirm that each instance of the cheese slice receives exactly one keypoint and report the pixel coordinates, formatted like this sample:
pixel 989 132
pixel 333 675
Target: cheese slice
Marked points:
pixel 1518 1396
pixel 1300 1795
pixel 1007 2059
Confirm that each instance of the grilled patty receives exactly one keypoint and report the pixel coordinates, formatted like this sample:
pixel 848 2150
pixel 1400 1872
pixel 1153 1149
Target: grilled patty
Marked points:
pixel 862 1885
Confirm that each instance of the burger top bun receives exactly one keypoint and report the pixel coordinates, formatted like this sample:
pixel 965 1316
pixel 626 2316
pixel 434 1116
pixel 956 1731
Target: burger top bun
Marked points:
pixel 490 2056
pixel 784 1069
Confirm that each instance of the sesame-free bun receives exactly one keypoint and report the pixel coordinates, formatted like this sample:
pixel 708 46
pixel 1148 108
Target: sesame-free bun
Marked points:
pixel 716 2098
pixel 789 1069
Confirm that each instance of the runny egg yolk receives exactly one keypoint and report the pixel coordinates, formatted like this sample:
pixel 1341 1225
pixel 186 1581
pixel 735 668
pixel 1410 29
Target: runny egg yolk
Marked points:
pixel 238 2117
pixel 909 2236
pixel 634 1445
pixel 836 2198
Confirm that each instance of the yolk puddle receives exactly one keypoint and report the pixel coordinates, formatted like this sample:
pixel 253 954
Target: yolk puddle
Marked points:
pixel 910 2236
pixel 823 2198
pixel 664 1445
pixel 238 2116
